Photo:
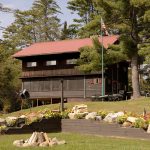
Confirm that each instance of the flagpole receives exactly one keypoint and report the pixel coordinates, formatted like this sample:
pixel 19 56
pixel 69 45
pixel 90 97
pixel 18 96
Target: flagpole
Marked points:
pixel 102 70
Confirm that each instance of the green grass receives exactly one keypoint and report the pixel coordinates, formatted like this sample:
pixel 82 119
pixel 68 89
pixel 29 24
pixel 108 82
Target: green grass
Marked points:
pixel 136 106
pixel 80 142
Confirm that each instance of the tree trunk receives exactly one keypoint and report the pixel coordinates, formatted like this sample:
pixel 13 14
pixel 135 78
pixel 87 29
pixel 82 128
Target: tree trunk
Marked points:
pixel 135 76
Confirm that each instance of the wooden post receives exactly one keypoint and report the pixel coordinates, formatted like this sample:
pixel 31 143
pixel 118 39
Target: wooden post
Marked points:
pixel 37 102
pixel 21 103
pixel 84 87
pixel 32 103
pixel 62 96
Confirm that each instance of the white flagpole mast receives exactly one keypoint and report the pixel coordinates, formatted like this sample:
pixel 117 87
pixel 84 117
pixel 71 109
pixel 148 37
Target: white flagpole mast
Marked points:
pixel 102 70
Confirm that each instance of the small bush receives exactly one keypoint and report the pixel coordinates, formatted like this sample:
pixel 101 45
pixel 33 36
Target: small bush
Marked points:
pixel 140 123
pixel 2 128
pixel 64 115
pixel 122 119
pixel 11 123
pixel 80 116
pixel 103 113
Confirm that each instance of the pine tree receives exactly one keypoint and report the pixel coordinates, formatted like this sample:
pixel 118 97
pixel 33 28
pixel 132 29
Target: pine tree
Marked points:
pixel 130 19
pixel 40 23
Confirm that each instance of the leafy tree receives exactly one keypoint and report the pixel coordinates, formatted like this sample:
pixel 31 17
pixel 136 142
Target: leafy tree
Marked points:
pixel 9 74
pixel 91 58
pixel 130 19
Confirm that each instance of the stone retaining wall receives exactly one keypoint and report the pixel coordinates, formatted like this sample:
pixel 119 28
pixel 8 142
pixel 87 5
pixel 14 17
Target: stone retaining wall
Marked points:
pixel 80 126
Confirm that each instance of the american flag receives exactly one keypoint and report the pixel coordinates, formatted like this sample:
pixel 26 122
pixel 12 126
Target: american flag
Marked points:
pixel 103 27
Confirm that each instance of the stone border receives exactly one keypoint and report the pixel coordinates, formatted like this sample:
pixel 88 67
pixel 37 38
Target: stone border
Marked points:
pixel 80 126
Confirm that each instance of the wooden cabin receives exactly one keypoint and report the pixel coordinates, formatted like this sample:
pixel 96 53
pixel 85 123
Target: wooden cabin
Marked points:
pixel 45 64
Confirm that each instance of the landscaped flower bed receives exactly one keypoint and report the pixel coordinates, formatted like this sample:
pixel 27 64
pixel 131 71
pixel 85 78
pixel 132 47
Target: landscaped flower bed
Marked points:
pixel 49 121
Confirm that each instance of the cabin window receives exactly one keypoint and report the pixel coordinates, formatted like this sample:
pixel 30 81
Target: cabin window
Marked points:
pixel 51 63
pixel 31 64
pixel 71 61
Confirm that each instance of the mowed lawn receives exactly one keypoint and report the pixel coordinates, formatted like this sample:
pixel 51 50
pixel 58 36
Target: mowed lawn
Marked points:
pixel 136 106
pixel 79 142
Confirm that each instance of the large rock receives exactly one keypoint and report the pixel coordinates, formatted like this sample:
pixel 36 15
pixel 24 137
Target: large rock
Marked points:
pixel 79 108
pixel 2 122
pixel 18 143
pixel 148 129
pixel 132 119
pixel 111 117
pixel 127 124
pixel 11 121
pixel 20 122
pixel 44 144
pixel 91 115
pixel 98 118
pixel 71 115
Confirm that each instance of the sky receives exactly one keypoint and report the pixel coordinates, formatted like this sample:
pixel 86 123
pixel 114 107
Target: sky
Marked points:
pixel 6 18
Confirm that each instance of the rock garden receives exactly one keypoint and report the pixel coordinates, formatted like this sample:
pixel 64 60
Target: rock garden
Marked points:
pixel 79 114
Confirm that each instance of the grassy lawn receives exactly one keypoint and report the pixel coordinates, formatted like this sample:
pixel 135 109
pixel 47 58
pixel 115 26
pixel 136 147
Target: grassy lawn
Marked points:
pixel 80 142
pixel 136 106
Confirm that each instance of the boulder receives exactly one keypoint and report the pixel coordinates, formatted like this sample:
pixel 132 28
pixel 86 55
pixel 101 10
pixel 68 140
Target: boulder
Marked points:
pixel 2 122
pixel 98 118
pixel 18 143
pixel 11 121
pixel 20 121
pixel 79 108
pixel 61 142
pixel 132 119
pixel 91 115
pixel 71 115
pixel 44 144
pixel 23 116
pixel 127 124
pixel 111 117
pixel 148 129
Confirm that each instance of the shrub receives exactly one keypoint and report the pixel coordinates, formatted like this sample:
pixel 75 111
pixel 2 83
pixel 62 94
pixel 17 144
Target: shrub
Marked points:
pixel 122 119
pixel 102 113
pixel 10 123
pixel 80 116
pixel 64 115
pixel 2 128
pixel 140 123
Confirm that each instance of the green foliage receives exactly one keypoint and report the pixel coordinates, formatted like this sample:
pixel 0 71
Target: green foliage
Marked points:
pixel 91 57
pixel 140 123
pixel 80 116
pixel 129 19
pixel 102 113
pixel 10 122
pixel 84 8
pixel 2 128
pixel 9 74
pixel 64 115
pixel 40 23
pixel 122 119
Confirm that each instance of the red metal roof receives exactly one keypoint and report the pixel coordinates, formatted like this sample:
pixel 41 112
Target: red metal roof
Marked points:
pixel 58 47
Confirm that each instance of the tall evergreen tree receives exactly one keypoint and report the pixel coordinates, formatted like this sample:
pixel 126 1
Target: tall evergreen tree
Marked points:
pixel 84 8
pixel 130 19
pixel 47 21
pixel 40 23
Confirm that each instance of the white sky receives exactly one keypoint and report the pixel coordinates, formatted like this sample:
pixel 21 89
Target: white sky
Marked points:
pixel 6 18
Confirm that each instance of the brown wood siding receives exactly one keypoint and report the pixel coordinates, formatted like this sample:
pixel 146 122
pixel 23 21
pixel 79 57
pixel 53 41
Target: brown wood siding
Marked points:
pixel 47 73
pixel 73 87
